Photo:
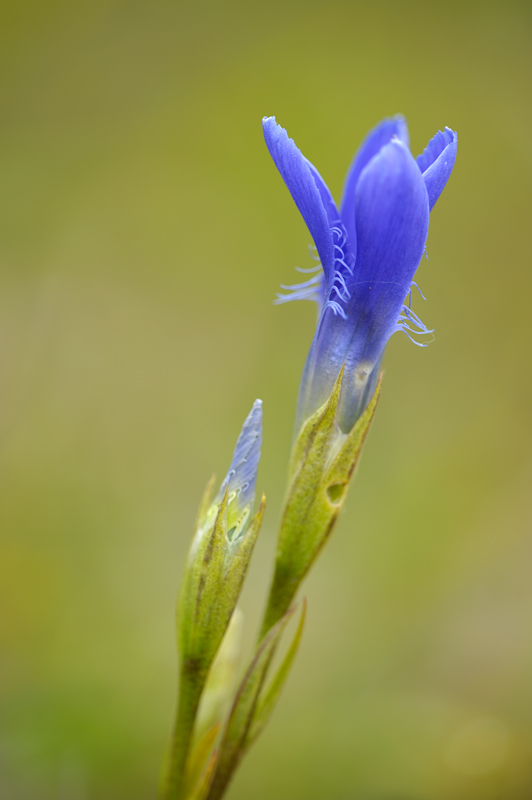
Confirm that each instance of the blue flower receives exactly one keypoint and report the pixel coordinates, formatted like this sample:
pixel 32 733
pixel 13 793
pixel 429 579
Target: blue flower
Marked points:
pixel 368 251
pixel 242 475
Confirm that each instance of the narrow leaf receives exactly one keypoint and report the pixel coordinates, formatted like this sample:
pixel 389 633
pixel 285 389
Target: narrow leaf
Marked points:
pixel 219 689
pixel 201 790
pixel 199 757
pixel 233 744
pixel 267 703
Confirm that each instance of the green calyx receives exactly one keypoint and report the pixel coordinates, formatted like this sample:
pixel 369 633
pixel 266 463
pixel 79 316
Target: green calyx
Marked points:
pixel 215 569
pixel 322 463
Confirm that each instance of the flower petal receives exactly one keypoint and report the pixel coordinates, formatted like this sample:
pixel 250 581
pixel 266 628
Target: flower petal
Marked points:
pixel 326 197
pixel 436 163
pixel 392 213
pixel 242 474
pixel 380 135
pixel 303 186
pixel 392 217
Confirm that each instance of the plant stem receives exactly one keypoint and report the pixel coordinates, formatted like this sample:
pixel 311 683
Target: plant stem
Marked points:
pixel 282 593
pixel 190 689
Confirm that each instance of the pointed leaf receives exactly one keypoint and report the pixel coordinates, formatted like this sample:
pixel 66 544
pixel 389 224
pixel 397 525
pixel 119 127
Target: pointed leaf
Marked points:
pixel 201 790
pixel 267 703
pixel 234 744
pixel 218 692
pixel 199 757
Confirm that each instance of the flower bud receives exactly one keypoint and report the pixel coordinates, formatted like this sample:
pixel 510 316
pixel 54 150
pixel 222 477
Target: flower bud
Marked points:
pixel 220 552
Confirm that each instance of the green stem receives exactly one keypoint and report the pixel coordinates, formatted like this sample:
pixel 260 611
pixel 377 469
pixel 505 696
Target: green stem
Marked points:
pixel 191 687
pixel 282 593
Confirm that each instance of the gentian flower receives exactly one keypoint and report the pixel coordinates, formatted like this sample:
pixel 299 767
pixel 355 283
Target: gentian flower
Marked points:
pixel 368 252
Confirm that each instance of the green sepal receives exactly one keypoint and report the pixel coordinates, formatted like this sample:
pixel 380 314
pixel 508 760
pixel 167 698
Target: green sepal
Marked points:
pixel 322 463
pixel 312 445
pixel 267 701
pixel 198 632
pixel 235 739
pixel 214 575
pixel 239 554
pixel 339 472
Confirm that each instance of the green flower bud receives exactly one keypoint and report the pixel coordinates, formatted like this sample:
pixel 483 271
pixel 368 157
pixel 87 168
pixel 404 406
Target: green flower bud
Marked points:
pixel 215 569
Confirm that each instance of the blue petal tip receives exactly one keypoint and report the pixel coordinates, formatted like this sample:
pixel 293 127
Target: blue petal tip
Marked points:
pixel 436 162
pixel 242 474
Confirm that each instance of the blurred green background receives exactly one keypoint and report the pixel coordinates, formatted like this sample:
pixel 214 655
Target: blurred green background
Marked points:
pixel 143 234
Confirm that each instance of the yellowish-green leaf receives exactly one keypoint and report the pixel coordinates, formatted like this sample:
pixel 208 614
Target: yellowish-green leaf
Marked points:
pixel 233 745
pixel 218 693
pixel 201 789
pixel 199 757
pixel 269 698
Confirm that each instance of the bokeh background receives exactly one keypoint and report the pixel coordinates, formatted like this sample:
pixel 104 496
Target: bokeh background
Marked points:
pixel 143 234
